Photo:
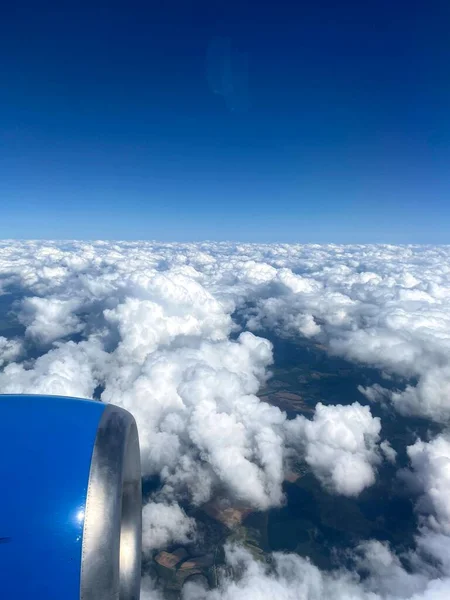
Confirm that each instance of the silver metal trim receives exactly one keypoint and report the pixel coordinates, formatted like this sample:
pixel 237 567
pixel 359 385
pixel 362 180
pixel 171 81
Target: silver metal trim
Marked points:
pixel 112 532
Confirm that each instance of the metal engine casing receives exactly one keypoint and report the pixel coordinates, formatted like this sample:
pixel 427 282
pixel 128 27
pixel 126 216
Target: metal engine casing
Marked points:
pixel 70 500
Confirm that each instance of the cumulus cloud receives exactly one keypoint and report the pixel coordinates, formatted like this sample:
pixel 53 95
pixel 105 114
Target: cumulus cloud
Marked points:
pixel 385 306
pixel 431 467
pixel 429 398
pixel 50 319
pixel 10 350
pixel 70 369
pixel 388 451
pixel 382 305
pixel 379 574
pixel 200 421
pixel 165 523
pixel 291 577
pixel 165 331
pixel 340 445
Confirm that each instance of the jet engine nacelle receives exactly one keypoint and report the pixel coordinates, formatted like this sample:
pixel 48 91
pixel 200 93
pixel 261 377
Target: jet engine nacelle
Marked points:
pixel 70 500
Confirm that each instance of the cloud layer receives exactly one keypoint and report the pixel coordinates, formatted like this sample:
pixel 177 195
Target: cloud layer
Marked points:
pixel 175 333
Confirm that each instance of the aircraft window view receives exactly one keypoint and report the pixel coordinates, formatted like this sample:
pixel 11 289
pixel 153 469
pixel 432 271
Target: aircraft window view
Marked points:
pixel 225 300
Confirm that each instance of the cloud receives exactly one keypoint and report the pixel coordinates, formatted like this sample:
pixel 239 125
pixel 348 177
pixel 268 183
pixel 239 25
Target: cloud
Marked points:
pixel 175 333
pixel 378 573
pixel 70 369
pixel 420 574
pixel 340 445
pixel 429 398
pixel 165 523
pixel 49 319
pixel 201 424
pixel 149 589
pixel 291 578
pixel 384 306
pixel 388 451
pixel 10 350
pixel 431 468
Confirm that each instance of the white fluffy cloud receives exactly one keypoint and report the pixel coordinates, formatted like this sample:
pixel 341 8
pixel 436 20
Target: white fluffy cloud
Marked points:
pixel 50 319
pixel 70 369
pixel 10 350
pixel 199 419
pixel 164 523
pixel 153 327
pixel 291 577
pixel 431 467
pixel 340 445
pixel 386 576
pixel 388 451
pixel 386 306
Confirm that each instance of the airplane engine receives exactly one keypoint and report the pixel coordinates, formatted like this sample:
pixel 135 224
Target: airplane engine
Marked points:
pixel 70 500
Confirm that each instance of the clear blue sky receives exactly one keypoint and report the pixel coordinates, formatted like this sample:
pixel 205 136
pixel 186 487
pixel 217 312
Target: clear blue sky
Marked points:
pixel 260 121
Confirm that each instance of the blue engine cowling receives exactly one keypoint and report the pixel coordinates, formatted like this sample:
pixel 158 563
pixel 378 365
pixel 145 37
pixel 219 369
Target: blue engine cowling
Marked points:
pixel 70 500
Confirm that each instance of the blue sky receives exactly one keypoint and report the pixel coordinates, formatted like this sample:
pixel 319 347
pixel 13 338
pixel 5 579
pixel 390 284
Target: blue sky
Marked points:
pixel 269 121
